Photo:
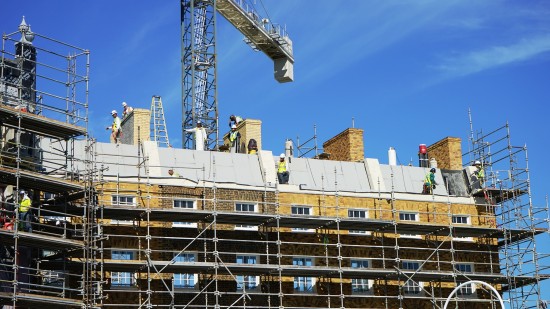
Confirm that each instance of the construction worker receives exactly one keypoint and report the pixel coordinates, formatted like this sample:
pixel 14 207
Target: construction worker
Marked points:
pixel 126 110
pixel 252 146
pixel 234 120
pixel 282 173
pixel 479 173
pixel 25 214
pixel 429 182
pixel 200 135
pixel 234 139
pixel 115 128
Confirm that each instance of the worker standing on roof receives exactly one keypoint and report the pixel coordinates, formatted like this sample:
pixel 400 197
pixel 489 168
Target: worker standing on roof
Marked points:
pixel 234 139
pixel 173 174
pixel 252 146
pixel 282 173
pixel 479 173
pixel 25 214
pixel 200 135
pixel 115 127
pixel 429 182
pixel 126 110
pixel 234 120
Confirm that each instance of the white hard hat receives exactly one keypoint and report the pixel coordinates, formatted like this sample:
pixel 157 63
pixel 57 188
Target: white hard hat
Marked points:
pixel 282 156
pixel 113 112
pixel 199 122
pixel 477 163
pixel 22 192
pixel 124 104
pixel 233 127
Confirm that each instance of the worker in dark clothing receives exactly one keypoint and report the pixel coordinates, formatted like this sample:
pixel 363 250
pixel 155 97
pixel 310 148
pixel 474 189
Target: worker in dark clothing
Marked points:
pixel 429 182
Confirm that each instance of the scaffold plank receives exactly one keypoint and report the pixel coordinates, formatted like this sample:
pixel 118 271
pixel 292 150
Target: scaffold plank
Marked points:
pixel 38 240
pixel 32 180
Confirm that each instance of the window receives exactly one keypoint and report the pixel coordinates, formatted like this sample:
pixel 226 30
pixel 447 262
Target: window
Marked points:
pixel 185 281
pixel 184 204
pixel 122 278
pixel 52 278
pixel 410 286
pixel 247 282
pixel 303 284
pixel 462 220
pixel 465 268
pixel 122 200
pixel 245 207
pixel 409 216
pixel 360 286
pixel 357 213
pixel 302 211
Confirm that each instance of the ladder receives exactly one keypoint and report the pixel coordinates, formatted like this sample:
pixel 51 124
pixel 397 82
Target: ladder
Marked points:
pixel 159 134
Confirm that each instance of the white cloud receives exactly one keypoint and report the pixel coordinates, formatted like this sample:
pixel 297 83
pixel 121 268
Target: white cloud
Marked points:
pixel 492 57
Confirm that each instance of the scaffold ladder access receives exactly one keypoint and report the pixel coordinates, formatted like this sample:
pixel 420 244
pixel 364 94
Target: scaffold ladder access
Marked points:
pixel 159 134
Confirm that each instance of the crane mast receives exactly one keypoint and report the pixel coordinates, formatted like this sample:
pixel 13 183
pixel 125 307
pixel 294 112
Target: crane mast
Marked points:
pixel 198 28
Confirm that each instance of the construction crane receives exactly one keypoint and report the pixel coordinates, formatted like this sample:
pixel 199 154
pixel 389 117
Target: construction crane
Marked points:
pixel 199 77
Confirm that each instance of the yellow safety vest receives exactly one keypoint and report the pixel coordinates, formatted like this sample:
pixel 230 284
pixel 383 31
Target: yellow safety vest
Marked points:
pixel 233 136
pixel 282 167
pixel 25 204
pixel 116 123
pixel 428 179
pixel 481 173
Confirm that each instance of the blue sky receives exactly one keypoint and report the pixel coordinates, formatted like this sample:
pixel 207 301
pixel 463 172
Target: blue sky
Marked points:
pixel 405 71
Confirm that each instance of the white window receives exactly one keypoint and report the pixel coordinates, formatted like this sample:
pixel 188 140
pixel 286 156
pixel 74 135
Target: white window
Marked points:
pixel 409 216
pixel 122 200
pixel 122 279
pixel 361 286
pixel 466 268
pixel 303 284
pixel 358 213
pixel 410 286
pixel 247 282
pixel 302 211
pixel 52 278
pixel 184 280
pixel 462 220
pixel 184 204
pixel 246 207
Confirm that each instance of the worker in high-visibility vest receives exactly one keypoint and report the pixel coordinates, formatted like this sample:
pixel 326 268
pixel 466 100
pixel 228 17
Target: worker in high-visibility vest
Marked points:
pixel 234 139
pixel 429 182
pixel 126 109
pixel 115 127
pixel 24 210
pixel 480 173
pixel 282 171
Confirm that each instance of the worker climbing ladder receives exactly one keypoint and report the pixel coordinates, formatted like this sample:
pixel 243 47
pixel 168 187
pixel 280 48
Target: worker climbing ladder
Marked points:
pixel 159 134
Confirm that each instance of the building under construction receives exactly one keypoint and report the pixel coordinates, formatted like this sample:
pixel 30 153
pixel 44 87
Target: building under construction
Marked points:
pixel 111 228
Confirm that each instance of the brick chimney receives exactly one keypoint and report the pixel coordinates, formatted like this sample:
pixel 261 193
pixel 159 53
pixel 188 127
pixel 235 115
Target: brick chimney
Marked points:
pixel 346 146
pixel 447 152
pixel 138 118
pixel 249 128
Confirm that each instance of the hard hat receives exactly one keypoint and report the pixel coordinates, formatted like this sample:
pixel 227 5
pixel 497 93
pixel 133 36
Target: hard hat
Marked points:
pixel 113 112
pixel 432 170
pixel 282 156
pixel 477 162
pixel 199 122
pixel 233 126
pixel 124 104
pixel 22 192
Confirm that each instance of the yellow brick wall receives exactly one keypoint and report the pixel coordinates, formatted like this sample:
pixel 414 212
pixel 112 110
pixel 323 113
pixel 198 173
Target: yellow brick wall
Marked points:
pixel 139 118
pixel 447 152
pixel 346 146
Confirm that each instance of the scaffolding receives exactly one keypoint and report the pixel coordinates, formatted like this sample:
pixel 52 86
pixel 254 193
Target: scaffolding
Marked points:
pixel 114 230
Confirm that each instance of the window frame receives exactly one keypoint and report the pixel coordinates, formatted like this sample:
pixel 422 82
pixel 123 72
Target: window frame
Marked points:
pixel 358 282
pixel 251 278
pixel 366 216
pixel 468 223
pixel 416 219
pixel 303 280
pixel 244 227
pixel 122 276
pixel 181 224
pixel 185 277
pixel 470 289
pixel 310 213
pixel 411 287
pixel 115 201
